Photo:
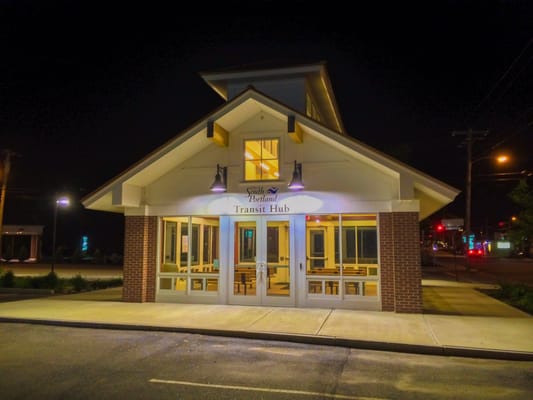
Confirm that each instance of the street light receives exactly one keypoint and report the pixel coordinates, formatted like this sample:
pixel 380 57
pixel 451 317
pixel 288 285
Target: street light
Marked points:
pixel 61 202
pixel 500 160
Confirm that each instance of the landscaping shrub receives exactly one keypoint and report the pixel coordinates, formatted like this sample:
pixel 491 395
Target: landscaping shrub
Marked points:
pixel 515 294
pixel 526 302
pixel 53 282
pixel 78 283
pixel 24 282
pixel 7 280
pixel 49 281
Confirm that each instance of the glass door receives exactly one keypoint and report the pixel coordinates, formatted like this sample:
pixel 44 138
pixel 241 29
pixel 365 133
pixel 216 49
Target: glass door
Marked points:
pixel 261 272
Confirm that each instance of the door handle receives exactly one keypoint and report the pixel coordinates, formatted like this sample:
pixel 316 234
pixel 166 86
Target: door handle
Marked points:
pixel 260 268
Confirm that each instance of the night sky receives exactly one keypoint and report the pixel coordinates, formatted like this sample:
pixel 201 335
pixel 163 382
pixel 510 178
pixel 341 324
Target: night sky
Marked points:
pixel 89 88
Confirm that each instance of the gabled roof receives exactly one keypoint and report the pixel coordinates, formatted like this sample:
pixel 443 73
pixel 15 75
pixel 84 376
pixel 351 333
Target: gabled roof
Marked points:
pixel 229 116
pixel 316 75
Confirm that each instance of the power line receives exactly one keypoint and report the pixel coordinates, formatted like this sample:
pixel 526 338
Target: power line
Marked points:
pixel 516 64
pixel 6 167
pixel 507 72
pixel 519 131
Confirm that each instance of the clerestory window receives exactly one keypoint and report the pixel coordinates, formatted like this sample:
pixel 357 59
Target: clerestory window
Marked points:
pixel 261 160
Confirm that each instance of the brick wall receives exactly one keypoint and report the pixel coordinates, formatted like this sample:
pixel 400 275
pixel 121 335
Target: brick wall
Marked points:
pixel 401 275
pixel 386 250
pixel 139 259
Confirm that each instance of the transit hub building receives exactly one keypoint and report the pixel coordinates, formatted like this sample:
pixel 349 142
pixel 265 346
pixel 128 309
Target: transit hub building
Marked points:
pixel 268 201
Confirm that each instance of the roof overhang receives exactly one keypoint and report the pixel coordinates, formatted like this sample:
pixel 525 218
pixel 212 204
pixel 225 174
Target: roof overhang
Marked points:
pixel 126 189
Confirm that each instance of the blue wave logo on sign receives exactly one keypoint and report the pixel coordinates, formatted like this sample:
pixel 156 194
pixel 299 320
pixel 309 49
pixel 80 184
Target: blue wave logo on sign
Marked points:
pixel 272 190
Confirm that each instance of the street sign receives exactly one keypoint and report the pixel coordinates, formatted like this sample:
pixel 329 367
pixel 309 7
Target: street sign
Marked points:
pixel 453 223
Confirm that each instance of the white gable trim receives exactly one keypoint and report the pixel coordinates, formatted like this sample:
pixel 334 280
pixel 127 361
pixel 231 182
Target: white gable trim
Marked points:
pixel 126 188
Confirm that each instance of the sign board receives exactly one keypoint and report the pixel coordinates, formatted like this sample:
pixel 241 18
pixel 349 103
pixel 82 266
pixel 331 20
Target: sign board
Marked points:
pixel 84 244
pixel 453 223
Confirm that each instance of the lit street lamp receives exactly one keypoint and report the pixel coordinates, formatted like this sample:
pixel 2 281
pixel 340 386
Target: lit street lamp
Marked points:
pixel 500 160
pixel 61 202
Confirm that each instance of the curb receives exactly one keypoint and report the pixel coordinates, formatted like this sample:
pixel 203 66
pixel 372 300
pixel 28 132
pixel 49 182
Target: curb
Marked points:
pixel 446 351
pixel 26 291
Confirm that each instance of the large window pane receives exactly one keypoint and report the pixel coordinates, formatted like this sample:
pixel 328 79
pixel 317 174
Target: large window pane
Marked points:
pixel 272 244
pixel 195 240
pixel 184 244
pixel 245 268
pixel 367 243
pixel 204 245
pixel 213 250
pixel 247 244
pixel 318 251
pixel 348 245
pixel 320 231
pixel 194 245
pixel 342 255
pixel 277 246
pixel 170 242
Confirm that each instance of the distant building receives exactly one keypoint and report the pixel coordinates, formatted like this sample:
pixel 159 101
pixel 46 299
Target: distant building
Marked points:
pixel 21 243
pixel 347 236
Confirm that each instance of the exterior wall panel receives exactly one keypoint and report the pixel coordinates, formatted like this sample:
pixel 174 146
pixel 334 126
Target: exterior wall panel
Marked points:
pixel 408 273
pixel 386 248
pixel 140 246
pixel 401 275
pixel 335 178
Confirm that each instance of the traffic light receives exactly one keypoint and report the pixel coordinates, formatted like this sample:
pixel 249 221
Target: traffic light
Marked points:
pixel 504 224
pixel 440 228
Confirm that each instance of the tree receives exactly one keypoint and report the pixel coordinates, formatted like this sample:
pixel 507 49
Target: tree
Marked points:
pixel 521 230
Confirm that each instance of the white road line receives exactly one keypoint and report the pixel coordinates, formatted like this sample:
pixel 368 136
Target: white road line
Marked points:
pixel 260 389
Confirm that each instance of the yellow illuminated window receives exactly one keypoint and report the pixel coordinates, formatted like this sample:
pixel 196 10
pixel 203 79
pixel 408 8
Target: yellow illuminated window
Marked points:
pixel 261 160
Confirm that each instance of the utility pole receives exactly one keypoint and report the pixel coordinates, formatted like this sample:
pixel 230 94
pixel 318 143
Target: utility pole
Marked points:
pixel 6 164
pixel 471 136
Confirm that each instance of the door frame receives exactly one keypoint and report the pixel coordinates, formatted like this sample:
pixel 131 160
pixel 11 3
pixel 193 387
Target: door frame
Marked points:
pixel 261 298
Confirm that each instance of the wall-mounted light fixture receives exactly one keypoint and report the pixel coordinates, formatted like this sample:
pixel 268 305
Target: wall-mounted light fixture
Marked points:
pixel 220 183
pixel 296 181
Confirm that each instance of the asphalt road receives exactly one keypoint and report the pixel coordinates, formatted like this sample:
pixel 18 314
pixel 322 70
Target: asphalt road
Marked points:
pixel 88 271
pixel 51 362
pixel 483 269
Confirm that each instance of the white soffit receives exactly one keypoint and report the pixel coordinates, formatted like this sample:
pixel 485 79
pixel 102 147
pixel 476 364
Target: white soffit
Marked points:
pixel 102 203
pixel 380 161
pixel 437 194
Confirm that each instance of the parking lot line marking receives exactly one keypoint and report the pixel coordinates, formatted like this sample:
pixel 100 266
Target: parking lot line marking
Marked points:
pixel 260 389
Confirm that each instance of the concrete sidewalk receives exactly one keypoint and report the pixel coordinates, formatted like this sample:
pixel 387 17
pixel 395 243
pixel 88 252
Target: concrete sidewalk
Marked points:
pixel 458 321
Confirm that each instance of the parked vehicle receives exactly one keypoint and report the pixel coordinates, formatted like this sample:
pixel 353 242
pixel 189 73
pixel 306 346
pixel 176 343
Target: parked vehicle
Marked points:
pixel 475 253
